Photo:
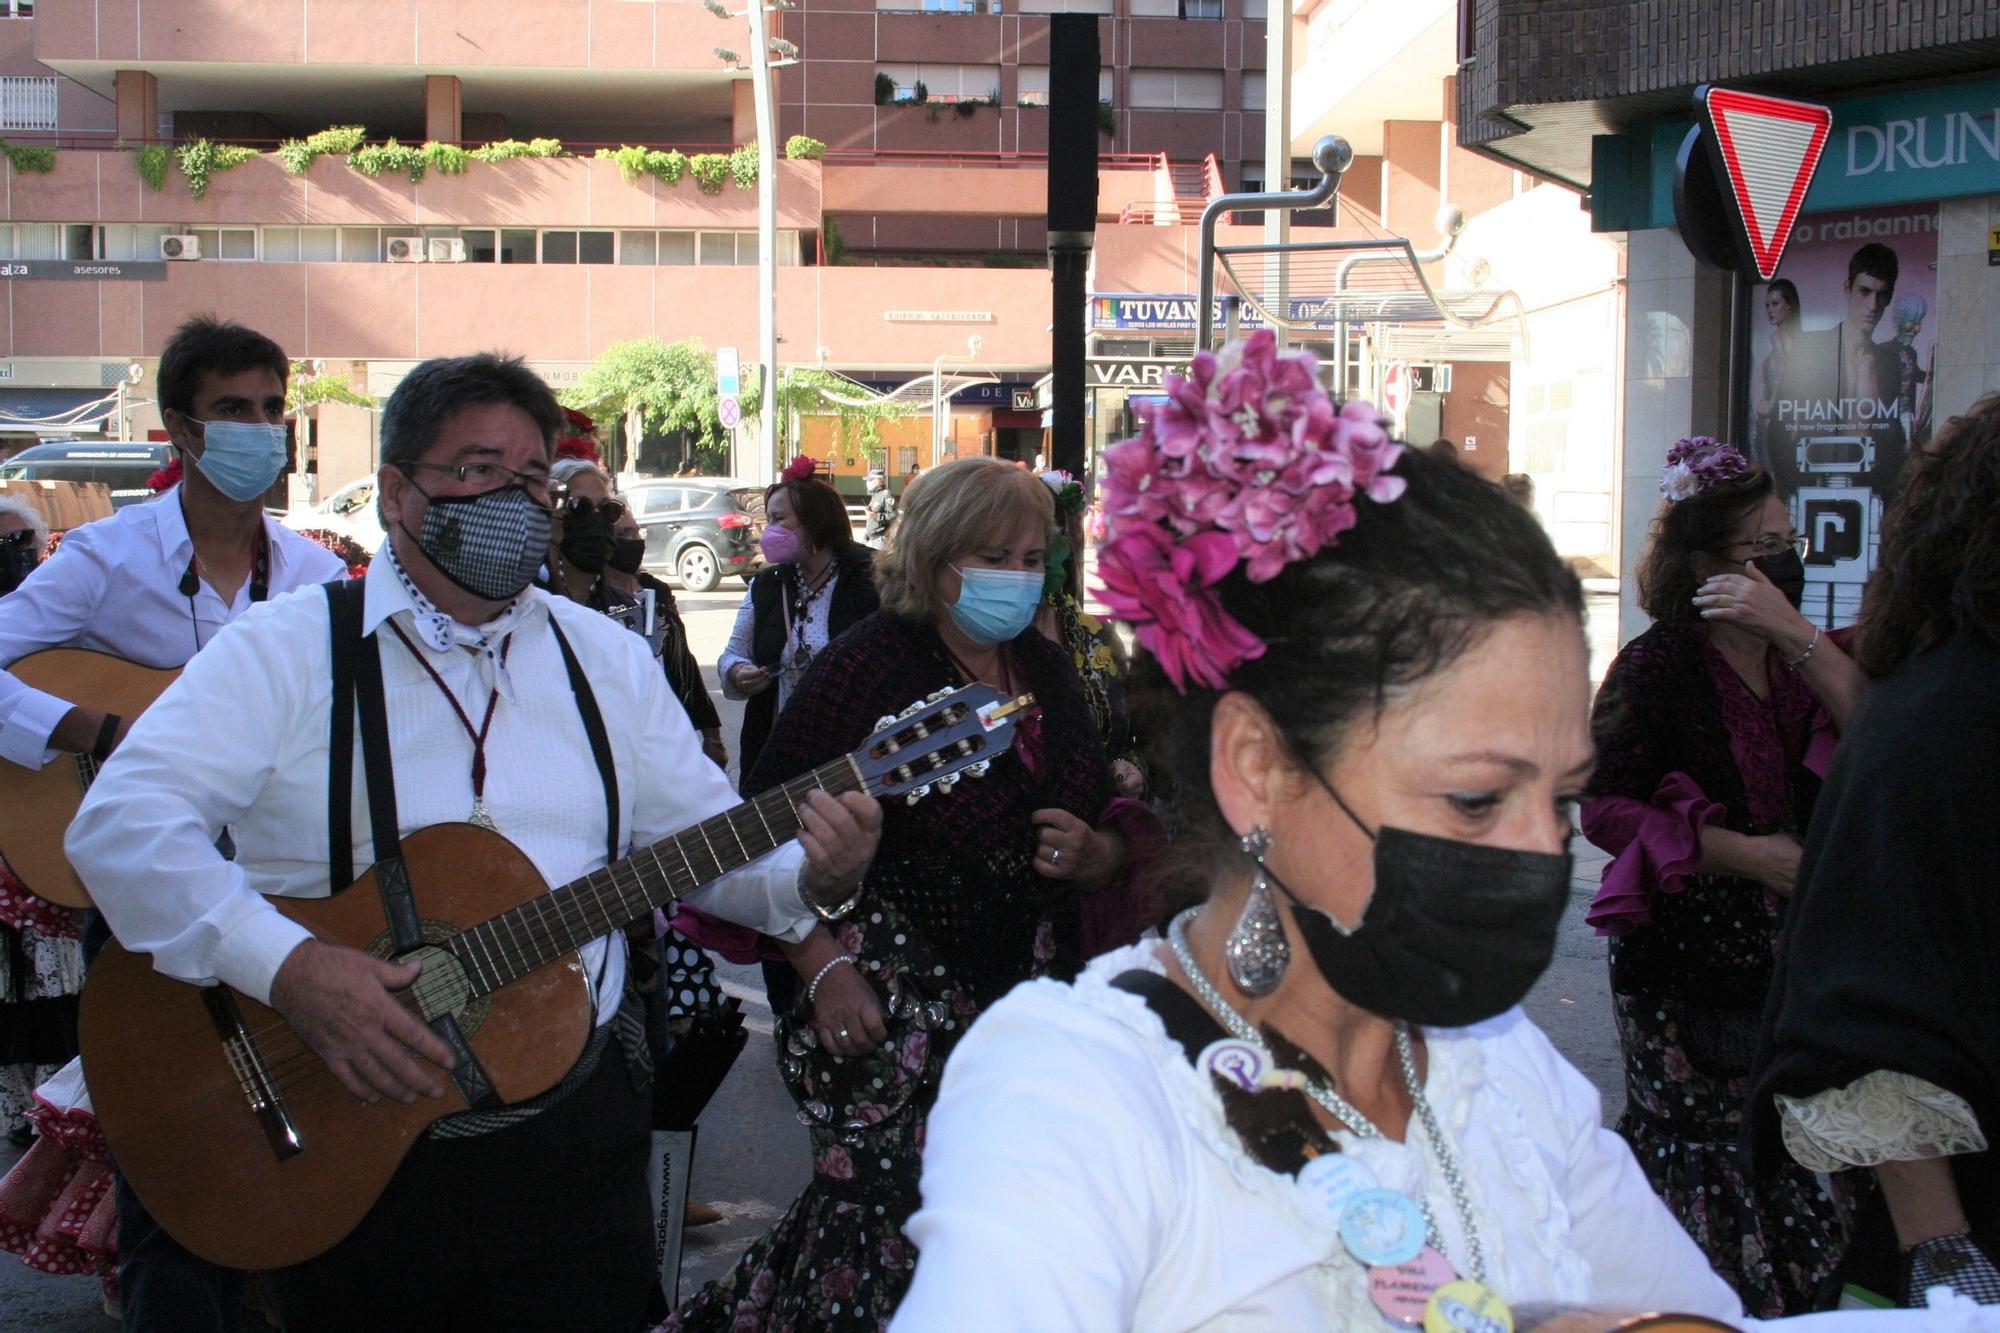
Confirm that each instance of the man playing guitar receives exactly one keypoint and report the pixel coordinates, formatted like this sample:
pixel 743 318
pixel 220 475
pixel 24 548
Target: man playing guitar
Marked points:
pixel 503 706
pixel 153 584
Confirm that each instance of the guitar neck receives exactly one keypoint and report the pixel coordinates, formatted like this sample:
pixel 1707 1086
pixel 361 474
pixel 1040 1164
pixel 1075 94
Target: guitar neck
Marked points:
pixel 545 928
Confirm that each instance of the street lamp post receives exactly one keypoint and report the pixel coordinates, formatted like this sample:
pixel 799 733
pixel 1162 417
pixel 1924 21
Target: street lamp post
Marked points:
pixel 763 465
pixel 939 400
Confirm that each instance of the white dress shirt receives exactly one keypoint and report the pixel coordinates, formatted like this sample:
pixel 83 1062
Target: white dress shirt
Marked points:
pixel 114 586
pixel 1112 1193
pixel 241 740
pixel 812 629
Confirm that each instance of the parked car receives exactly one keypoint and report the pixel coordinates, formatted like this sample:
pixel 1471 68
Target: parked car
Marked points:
pixel 124 467
pixel 349 511
pixel 699 529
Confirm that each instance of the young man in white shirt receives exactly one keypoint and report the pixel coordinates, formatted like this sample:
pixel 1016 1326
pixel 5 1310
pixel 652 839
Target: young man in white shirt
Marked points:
pixel 153 584
pixel 542 1221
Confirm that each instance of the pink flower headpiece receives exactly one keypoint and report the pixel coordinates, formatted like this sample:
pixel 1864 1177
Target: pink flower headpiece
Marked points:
pixel 1248 462
pixel 1699 463
pixel 801 468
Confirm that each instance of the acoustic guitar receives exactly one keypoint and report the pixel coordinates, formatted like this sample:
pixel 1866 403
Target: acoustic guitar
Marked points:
pixel 243 1144
pixel 36 805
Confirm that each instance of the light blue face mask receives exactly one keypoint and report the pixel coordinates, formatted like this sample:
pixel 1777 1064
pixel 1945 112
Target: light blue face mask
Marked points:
pixel 242 458
pixel 995 605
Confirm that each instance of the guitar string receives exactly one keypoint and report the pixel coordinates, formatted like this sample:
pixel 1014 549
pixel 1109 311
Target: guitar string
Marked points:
pixel 287 1061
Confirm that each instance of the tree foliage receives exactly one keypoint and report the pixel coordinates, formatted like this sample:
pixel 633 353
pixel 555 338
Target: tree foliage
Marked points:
pixel 304 389
pixel 669 386
pixel 808 391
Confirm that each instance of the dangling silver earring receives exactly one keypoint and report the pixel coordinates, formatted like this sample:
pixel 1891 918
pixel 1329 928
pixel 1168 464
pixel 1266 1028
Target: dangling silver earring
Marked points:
pixel 1257 951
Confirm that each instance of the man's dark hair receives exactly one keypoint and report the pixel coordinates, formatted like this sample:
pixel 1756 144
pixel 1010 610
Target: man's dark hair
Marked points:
pixel 443 386
pixel 206 345
pixel 1877 261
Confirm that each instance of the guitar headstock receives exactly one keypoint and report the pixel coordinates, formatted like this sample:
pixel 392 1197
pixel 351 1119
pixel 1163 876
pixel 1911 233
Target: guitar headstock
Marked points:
pixel 936 741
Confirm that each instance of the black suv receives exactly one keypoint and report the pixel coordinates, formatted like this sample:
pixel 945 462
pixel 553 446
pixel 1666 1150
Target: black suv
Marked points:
pixel 123 467
pixel 699 529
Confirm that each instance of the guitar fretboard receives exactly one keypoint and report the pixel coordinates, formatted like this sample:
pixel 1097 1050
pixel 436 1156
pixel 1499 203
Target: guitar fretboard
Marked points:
pixel 538 932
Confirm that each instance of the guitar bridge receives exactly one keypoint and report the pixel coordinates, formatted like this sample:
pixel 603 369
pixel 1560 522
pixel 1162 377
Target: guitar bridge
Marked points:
pixel 253 1076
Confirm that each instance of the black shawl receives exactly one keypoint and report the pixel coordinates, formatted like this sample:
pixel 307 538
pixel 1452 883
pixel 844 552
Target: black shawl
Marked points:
pixel 1891 958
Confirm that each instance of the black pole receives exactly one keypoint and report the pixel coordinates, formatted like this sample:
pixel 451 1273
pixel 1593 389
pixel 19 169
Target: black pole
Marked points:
pixel 1073 131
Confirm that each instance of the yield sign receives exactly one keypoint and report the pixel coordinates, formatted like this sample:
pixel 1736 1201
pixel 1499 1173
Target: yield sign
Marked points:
pixel 1769 148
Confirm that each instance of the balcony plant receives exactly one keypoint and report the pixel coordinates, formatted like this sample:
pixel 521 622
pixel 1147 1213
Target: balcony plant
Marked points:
pixel 376 158
pixel 446 159
pixel 151 162
pixel 885 89
pixel 298 155
pixel 25 158
pixel 506 149
pixel 201 160
pixel 1107 120
pixel 710 170
pixel 804 148
pixel 743 166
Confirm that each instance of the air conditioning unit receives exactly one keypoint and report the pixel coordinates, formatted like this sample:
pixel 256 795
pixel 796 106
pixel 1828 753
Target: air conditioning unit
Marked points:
pixel 406 250
pixel 445 250
pixel 180 247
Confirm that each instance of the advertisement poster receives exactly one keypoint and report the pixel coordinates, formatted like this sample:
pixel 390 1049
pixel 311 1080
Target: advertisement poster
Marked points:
pixel 1842 349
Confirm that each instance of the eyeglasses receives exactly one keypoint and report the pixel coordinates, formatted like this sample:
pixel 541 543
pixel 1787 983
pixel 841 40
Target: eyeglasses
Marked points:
pixel 582 506
pixel 491 476
pixel 1768 545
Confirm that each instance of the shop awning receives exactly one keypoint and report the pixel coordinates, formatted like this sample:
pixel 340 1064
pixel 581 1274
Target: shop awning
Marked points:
pixel 46 411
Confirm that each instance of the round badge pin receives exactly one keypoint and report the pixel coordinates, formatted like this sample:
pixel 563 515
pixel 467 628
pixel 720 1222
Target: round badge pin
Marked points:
pixel 1467 1307
pixel 1402 1292
pixel 1331 1179
pixel 1382 1228
pixel 1238 1061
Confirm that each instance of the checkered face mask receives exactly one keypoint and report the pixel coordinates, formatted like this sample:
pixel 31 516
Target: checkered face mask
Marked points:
pixel 489 544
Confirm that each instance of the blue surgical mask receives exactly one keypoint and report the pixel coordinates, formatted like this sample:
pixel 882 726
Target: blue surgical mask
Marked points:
pixel 242 458
pixel 995 605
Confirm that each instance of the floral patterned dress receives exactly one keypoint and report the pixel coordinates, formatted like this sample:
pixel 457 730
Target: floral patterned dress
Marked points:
pixel 952 915
pixel 1683 743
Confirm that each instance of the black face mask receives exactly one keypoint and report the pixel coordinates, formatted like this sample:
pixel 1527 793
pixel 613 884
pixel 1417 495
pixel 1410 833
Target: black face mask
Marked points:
pixel 1454 933
pixel 1787 572
pixel 587 542
pixel 627 554
pixel 18 557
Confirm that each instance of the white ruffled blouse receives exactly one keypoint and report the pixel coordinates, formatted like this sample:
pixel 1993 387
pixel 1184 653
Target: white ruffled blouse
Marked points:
pixel 1078 1174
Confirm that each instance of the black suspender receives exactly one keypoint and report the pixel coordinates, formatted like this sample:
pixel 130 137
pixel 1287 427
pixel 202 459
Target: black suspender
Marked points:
pixel 600 742
pixel 1180 1013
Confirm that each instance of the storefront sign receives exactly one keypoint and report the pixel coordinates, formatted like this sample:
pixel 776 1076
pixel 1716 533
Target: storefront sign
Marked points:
pixel 1132 374
pixel 938 316
pixel 1841 376
pixel 101 270
pixel 1940 142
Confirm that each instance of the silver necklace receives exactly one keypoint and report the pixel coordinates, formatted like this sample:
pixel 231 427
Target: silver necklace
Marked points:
pixel 1344 1110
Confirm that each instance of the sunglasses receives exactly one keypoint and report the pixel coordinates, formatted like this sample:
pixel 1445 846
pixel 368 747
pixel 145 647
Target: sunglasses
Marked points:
pixel 581 507
pixel 19 537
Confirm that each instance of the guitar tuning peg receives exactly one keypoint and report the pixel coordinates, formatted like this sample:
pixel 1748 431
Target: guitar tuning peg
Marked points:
pixel 947 782
pixel 978 770
pixel 912 710
pixel 886 720
pixel 936 695
pixel 917 794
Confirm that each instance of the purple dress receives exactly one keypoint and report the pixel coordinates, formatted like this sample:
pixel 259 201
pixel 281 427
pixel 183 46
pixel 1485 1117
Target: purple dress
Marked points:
pixel 1683 743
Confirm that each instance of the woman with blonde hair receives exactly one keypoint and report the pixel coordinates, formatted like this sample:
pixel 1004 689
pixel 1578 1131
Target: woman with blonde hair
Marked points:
pixel 971 892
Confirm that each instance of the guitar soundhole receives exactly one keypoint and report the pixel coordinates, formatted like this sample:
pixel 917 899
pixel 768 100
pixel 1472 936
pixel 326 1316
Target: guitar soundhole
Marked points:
pixel 443 987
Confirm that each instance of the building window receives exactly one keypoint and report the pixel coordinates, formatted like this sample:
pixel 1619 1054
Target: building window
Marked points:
pixel 1253 90
pixel 577 247
pixel 1176 9
pixel 517 245
pixel 637 247
pixel 479 248
pixel 1177 89
pixel 125 240
pixel 17 9
pixel 233 243
pixel 677 248
pixel 719 247
pixel 1033 89
pixel 945 83
pixel 1065 6
pixel 1254 9
pixel 1201 9
pixel 27 102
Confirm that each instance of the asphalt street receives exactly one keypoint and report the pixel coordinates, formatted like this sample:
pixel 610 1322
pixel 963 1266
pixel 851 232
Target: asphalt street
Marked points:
pixel 751 1158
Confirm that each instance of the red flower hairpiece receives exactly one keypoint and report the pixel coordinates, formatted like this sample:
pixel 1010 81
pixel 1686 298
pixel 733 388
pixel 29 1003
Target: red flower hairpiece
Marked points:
pixel 801 468
pixel 579 423
pixel 167 477
pixel 579 446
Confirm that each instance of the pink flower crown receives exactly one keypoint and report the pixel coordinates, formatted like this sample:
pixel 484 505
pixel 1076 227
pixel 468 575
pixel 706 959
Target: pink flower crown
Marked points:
pixel 1246 462
pixel 1697 464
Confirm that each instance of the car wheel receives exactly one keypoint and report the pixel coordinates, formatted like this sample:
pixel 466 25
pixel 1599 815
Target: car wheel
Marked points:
pixel 697 570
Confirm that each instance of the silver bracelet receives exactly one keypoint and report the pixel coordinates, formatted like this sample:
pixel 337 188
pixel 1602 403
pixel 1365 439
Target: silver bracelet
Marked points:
pixel 1799 662
pixel 812 987
pixel 833 913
